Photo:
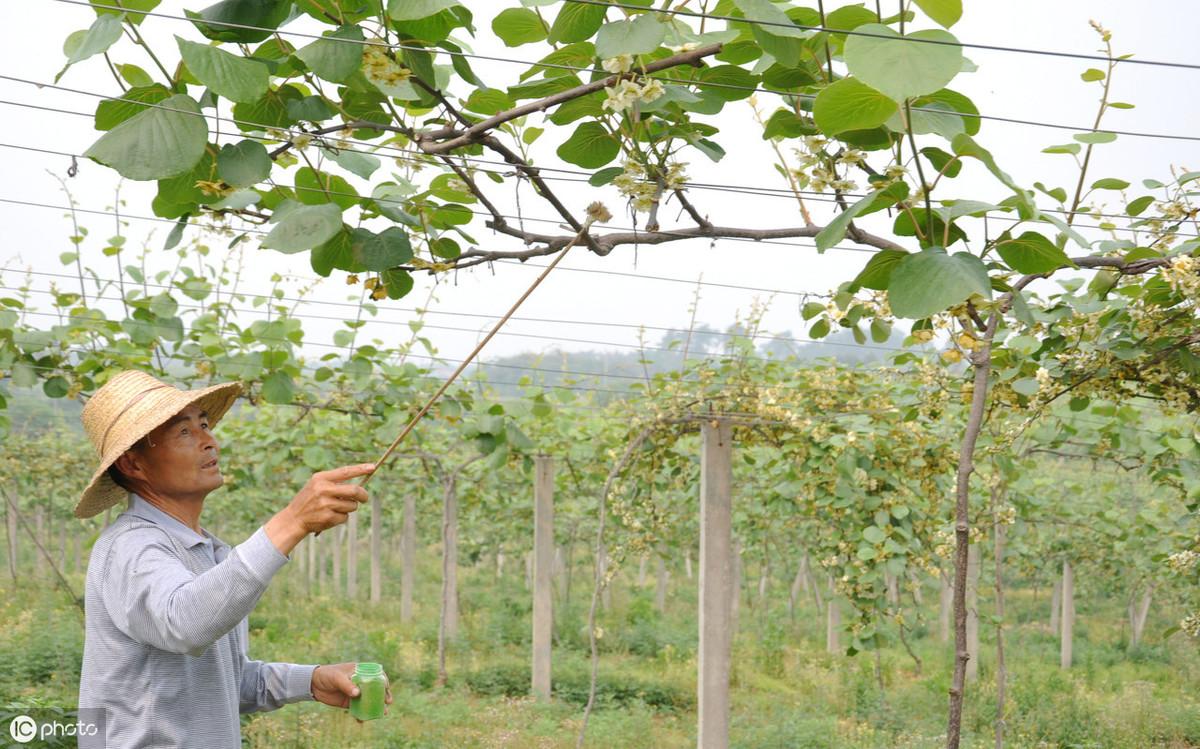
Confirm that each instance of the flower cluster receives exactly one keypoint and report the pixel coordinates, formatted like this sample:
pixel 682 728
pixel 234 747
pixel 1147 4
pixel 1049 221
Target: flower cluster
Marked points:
pixel 1191 625
pixel 1181 275
pixel 1006 515
pixel 627 92
pixel 622 63
pixel 1183 561
pixel 379 68
pixel 638 184
pixel 818 171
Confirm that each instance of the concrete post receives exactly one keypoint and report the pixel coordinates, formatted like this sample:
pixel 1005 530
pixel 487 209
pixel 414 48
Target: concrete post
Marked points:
pixel 543 573
pixel 336 538
pixel 376 548
pixel 408 556
pixel 352 557
pixel 1068 614
pixel 13 531
pixel 39 525
pixel 450 559
pixel 310 550
pixel 716 584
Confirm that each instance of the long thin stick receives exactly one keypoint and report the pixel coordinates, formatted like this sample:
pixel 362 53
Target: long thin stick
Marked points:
pixel 595 212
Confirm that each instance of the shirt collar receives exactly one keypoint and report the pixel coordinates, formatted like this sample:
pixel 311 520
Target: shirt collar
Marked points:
pixel 143 509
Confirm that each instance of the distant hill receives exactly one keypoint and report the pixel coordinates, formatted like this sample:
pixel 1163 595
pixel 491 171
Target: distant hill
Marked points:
pixel 615 370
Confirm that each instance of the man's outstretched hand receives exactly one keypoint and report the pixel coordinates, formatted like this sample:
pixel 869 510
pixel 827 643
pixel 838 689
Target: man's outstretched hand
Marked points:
pixel 324 502
pixel 331 684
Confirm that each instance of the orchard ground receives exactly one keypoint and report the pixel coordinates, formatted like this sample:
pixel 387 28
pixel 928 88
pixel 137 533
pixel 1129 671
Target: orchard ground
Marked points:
pixel 787 691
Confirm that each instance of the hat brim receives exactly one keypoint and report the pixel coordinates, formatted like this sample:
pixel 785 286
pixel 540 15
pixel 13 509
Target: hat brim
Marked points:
pixel 102 492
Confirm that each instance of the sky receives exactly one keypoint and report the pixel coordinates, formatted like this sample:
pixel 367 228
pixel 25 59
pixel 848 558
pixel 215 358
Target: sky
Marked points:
pixel 630 290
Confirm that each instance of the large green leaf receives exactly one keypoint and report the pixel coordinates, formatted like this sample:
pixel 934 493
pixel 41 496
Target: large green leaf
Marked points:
pixel 786 50
pixel 899 67
pixel 334 253
pixel 314 187
pixel 931 281
pixel 932 117
pixel 134 10
pixel 1031 253
pixel 162 141
pixel 102 34
pixel 878 271
pixel 179 195
pixel 639 36
pixel 355 162
pixel 378 252
pixel 397 282
pixel 237 78
pixel 278 388
pixel 945 12
pixel 302 227
pixel 517 26
pixel 414 10
pixel 850 104
pixel 272 110
pixel 244 21
pixel 728 82
pixel 770 18
pixel 876 201
pixel 332 59
pixel 576 22
pixel 590 146
pixel 243 164
pixel 112 112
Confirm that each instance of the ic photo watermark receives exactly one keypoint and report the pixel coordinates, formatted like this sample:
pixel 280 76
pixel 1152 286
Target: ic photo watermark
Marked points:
pixel 50 727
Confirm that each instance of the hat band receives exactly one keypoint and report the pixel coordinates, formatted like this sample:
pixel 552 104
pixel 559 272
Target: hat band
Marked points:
pixel 132 402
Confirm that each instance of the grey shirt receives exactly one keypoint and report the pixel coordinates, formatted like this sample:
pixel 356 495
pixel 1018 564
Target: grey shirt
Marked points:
pixel 166 635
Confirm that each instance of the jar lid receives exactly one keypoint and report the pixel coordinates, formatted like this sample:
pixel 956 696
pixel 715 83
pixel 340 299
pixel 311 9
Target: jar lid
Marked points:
pixel 368 669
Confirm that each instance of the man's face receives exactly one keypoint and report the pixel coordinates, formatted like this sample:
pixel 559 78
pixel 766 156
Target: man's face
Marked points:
pixel 180 458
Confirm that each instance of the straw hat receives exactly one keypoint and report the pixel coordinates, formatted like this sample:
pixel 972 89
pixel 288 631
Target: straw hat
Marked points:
pixel 128 407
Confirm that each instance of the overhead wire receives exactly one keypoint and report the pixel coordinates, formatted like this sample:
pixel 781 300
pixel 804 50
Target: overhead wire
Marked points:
pixel 528 264
pixel 417 157
pixel 765 192
pixel 579 174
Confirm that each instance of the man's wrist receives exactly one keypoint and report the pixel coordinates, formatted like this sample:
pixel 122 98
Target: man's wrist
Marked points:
pixel 285 531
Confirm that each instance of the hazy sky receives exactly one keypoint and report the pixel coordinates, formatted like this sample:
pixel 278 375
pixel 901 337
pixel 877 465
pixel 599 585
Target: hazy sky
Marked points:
pixel 1012 85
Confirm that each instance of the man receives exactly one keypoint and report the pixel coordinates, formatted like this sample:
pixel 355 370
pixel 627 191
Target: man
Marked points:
pixel 166 635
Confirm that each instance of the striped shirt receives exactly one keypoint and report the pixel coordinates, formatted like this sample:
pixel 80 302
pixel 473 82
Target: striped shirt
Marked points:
pixel 166 634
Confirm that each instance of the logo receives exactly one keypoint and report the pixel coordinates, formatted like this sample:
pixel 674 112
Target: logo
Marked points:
pixel 22 729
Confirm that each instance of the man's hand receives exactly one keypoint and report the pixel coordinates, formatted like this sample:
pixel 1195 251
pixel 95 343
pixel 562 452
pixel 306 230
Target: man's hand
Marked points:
pixel 324 502
pixel 332 685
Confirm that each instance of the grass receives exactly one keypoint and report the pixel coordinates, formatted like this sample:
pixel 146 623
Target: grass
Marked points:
pixel 787 692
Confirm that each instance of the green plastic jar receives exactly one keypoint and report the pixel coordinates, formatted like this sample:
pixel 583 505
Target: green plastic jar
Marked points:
pixel 372 684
